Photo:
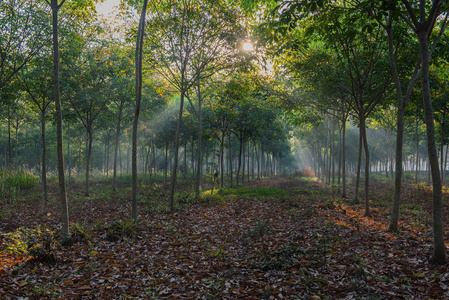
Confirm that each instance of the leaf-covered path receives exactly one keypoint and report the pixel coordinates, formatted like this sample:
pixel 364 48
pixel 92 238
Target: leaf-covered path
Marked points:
pixel 277 239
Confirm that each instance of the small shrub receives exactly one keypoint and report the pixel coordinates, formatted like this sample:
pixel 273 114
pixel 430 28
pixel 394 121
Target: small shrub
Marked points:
pixel 185 198
pixel 260 229
pixel 409 176
pixel 122 228
pixel 15 180
pixel 79 232
pixel 39 243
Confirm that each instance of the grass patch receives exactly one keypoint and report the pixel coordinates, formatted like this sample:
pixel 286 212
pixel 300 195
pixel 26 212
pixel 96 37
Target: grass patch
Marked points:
pixel 259 193
pixel 17 180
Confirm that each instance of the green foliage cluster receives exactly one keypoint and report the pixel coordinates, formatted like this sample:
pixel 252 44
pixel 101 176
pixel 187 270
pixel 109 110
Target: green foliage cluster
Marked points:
pixel 126 228
pixel 22 180
pixel 258 193
pixel 40 243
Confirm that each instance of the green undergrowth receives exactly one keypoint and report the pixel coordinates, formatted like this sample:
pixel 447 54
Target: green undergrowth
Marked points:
pixel 10 180
pixel 246 193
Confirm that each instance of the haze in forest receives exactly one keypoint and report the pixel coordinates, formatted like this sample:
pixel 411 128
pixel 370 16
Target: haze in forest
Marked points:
pixel 333 109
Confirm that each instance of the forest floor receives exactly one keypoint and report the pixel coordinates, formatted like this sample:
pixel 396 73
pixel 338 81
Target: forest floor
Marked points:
pixel 279 238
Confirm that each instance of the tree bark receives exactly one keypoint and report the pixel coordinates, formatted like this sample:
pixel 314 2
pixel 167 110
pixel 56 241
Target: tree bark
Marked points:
pixel 343 163
pixel 439 252
pixel 367 170
pixel 89 152
pixel 200 135
pixel 44 155
pixel 62 188
pixel 359 162
pixel 139 46
pixel 117 139
pixel 176 146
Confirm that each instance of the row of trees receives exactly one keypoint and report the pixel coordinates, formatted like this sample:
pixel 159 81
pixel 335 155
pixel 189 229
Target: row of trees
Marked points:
pixel 180 77
pixel 351 60
pixel 189 53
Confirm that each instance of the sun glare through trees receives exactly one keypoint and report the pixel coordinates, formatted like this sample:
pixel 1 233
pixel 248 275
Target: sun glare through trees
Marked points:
pixel 248 46
pixel 195 149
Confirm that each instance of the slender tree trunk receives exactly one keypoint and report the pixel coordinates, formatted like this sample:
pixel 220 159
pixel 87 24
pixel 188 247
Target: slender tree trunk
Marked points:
pixel 339 158
pixel 343 163
pixel 329 153
pixel 89 152
pixel 107 155
pixel 69 165
pixel 176 146
pixel 399 135
pixel 193 159
pixel 332 152
pixel 222 141
pixel 439 252
pixel 367 170
pixel 185 160
pixel 417 152
pixel 445 163
pixel 240 160
pixel 442 151
pixel 230 159
pixel 166 164
pixel 243 162
pixel 359 161
pixel 138 58
pixel 200 135
pixel 44 155
pixel 62 189
pixel 9 140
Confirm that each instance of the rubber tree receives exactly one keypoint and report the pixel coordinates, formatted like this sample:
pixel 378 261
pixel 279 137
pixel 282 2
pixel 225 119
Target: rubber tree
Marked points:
pixel 55 7
pixel 186 41
pixel 138 64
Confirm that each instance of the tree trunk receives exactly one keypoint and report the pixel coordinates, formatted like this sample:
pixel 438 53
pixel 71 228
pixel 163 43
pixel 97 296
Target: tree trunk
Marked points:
pixel 166 164
pixel 222 159
pixel 89 152
pixel 243 162
pixel 399 135
pixel 230 158
pixel 359 163
pixel 442 152
pixel 69 166
pixel 176 146
pixel 9 139
pixel 367 170
pixel 44 155
pixel 62 190
pixel 138 58
pixel 439 252
pixel 240 160
pixel 200 135
pixel 417 152
pixel 343 163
